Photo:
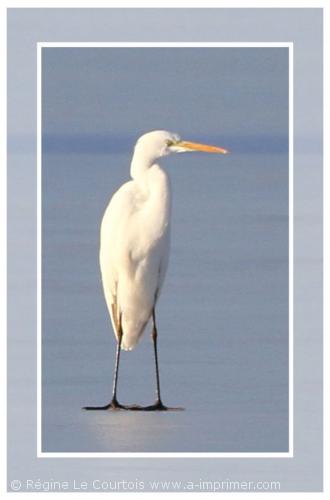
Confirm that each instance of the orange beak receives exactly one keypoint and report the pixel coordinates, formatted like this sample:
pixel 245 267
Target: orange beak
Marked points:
pixel 195 146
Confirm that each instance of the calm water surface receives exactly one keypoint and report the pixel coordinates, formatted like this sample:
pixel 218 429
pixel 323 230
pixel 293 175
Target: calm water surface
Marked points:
pixel 223 313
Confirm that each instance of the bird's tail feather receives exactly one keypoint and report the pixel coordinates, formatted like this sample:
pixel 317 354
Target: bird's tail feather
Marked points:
pixel 131 333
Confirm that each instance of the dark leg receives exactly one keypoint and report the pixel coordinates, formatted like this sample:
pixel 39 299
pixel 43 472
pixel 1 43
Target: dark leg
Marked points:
pixel 158 404
pixel 113 403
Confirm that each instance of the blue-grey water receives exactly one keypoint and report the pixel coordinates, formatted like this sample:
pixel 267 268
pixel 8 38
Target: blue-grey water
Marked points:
pixel 223 312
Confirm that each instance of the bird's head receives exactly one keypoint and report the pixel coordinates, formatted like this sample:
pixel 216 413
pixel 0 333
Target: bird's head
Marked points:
pixel 160 143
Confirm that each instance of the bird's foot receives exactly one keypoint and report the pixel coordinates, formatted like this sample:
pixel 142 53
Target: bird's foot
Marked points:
pixel 157 406
pixel 113 405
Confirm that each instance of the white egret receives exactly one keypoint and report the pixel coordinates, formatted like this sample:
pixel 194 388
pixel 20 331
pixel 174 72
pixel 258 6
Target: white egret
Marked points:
pixel 134 251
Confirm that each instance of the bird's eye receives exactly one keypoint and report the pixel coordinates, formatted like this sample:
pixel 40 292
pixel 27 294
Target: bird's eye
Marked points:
pixel 169 142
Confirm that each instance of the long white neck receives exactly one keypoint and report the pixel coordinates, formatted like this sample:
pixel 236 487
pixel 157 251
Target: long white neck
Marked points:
pixel 154 183
pixel 141 162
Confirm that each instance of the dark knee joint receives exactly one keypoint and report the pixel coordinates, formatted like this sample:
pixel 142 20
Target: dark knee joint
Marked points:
pixel 154 334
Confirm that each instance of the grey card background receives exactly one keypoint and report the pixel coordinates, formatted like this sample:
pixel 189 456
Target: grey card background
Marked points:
pixel 26 27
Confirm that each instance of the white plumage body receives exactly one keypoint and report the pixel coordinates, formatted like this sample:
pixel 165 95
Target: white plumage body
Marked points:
pixel 135 234
pixel 134 251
